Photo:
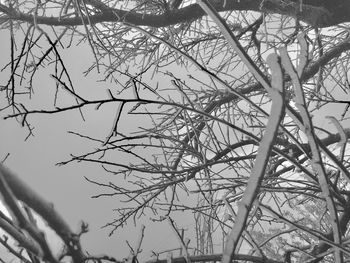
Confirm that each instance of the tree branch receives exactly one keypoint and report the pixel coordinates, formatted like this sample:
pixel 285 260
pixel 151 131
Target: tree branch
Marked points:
pixel 317 14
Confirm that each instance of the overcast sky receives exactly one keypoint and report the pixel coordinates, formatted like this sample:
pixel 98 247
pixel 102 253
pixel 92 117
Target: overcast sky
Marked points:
pixel 34 160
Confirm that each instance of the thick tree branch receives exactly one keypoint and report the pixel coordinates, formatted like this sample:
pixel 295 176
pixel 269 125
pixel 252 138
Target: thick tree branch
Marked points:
pixel 25 194
pixel 318 14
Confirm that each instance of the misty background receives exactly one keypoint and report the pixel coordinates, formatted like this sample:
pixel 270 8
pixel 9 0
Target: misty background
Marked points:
pixel 34 158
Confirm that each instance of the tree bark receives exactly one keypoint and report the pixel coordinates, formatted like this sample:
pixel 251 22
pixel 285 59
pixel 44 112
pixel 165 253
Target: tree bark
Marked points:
pixel 322 13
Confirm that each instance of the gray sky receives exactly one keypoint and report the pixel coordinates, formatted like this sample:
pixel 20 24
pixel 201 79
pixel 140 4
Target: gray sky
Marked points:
pixel 34 160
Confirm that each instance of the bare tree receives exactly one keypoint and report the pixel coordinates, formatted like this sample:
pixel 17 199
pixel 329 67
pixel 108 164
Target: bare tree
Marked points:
pixel 233 91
